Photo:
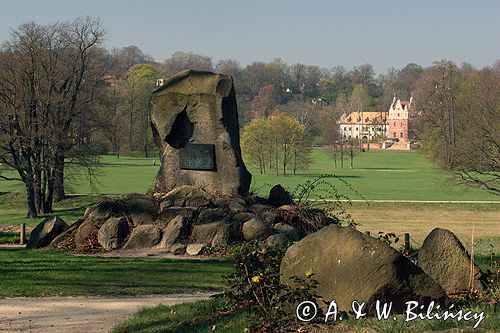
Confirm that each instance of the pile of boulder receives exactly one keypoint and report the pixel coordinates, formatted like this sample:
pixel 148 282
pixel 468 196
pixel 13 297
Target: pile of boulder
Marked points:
pixel 350 265
pixel 184 220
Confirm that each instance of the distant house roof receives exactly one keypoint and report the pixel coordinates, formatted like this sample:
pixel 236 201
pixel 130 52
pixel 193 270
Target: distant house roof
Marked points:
pixel 364 117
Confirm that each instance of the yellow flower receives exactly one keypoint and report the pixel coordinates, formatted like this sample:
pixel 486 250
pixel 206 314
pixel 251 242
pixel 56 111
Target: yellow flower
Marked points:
pixel 256 279
pixel 309 274
pixel 263 251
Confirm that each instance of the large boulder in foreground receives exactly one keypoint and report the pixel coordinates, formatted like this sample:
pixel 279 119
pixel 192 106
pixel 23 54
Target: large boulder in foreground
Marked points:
pixel 350 265
pixel 444 258
pixel 45 232
pixel 194 122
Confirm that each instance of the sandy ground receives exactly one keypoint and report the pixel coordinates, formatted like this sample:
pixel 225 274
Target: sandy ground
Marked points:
pixel 77 314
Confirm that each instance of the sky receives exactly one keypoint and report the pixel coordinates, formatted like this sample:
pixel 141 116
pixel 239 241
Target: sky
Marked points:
pixel 314 32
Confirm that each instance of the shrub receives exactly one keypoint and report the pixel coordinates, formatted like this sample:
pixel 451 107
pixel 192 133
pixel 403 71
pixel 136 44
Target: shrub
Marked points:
pixel 256 283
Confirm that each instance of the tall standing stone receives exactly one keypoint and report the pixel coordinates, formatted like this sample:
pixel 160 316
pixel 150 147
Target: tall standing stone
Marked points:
pixel 195 124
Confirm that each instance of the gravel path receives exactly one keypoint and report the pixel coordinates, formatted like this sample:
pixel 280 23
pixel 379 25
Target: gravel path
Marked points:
pixel 77 314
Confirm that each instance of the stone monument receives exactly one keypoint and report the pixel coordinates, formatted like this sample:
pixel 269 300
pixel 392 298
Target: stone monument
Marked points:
pixel 194 120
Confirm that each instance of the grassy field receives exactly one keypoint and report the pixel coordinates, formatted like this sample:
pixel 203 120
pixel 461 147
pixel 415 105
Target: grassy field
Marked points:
pixel 55 273
pixel 378 175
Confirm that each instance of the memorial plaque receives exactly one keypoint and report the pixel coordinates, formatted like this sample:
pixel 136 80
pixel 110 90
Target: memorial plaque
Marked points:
pixel 197 157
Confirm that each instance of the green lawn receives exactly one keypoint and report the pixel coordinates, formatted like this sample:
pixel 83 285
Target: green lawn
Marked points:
pixel 55 273
pixel 378 174
pixel 382 175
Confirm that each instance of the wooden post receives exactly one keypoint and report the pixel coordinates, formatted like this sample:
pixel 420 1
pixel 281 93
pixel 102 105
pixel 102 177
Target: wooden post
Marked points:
pixel 22 234
pixel 407 243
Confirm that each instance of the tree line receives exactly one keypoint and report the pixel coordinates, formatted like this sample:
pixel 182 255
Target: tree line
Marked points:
pixel 65 99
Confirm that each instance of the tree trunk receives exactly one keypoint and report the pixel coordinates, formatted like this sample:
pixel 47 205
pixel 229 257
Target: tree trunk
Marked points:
pixel 334 156
pixel 30 197
pixel 342 156
pixel 59 193
pixel 351 155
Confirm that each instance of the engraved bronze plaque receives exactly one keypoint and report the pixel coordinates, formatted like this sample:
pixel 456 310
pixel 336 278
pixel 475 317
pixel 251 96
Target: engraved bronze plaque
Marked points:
pixel 197 157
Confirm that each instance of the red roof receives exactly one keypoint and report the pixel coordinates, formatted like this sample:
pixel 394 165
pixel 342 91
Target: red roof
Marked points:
pixel 405 102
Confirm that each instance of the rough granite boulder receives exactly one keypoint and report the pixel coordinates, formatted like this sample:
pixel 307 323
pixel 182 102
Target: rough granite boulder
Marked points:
pixel 178 249
pixel 85 233
pixel 204 233
pixel 211 215
pixel 173 232
pixel 350 265
pixel 195 249
pixel 45 232
pixel 186 196
pixel 255 229
pixel 143 236
pixel 142 209
pixel 193 108
pixel 287 230
pixel 278 196
pixel 167 214
pixel 222 236
pixel 276 240
pixel 444 258
pixel 102 211
pixel 113 233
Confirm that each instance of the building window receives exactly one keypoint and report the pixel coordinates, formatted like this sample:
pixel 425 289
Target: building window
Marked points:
pixel 401 134
pixel 394 136
pixel 394 124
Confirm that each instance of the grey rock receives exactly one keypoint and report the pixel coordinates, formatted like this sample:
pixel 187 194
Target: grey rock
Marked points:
pixel 221 237
pixel 173 232
pixel 272 217
pixel 143 236
pixel 45 232
pixel 195 249
pixel 142 209
pixel 203 233
pixel 210 215
pixel 287 230
pixel 243 216
pixel 167 214
pixel 103 210
pixel 187 196
pixel 444 258
pixel 178 249
pixel 235 207
pixel 84 233
pixel 113 233
pixel 276 240
pixel 260 207
pixel 195 107
pixel 66 239
pixel 350 265
pixel 255 229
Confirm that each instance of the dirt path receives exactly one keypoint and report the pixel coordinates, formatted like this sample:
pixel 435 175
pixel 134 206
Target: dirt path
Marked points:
pixel 77 314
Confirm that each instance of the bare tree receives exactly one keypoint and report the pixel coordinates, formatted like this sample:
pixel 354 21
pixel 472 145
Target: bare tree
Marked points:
pixel 459 121
pixel 48 77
